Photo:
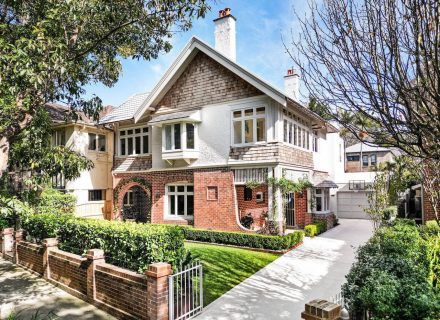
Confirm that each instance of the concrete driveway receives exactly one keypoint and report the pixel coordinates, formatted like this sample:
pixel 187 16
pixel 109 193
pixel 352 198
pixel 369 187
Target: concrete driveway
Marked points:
pixel 316 269
pixel 25 293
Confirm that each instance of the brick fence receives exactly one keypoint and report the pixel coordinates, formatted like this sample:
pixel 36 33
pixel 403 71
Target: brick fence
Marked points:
pixel 121 292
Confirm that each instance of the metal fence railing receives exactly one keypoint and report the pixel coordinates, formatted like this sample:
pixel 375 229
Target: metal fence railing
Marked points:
pixel 186 292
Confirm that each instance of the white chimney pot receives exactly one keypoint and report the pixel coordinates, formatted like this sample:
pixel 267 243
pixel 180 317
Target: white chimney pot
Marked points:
pixel 291 84
pixel 225 41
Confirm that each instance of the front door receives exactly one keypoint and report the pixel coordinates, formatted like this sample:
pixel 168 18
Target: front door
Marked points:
pixel 135 205
pixel 289 199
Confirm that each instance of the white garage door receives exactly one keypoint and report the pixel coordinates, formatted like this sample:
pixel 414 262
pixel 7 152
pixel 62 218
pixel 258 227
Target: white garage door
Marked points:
pixel 351 205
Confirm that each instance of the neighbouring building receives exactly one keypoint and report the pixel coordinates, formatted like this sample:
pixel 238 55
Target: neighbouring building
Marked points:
pixel 93 189
pixel 188 151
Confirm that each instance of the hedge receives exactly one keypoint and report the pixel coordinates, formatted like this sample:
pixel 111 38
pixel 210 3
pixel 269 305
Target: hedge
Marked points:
pixel 129 245
pixel 315 228
pixel 241 239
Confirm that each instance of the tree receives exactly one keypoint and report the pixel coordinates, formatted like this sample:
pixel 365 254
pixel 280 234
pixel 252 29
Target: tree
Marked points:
pixel 49 50
pixel 378 60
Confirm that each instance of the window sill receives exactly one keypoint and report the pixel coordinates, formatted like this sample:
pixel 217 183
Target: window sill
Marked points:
pixel 180 218
pixel 253 144
pixel 134 155
pixel 180 154
pixel 322 212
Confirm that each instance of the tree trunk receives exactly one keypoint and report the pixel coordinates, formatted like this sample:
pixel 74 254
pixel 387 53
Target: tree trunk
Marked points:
pixel 4 154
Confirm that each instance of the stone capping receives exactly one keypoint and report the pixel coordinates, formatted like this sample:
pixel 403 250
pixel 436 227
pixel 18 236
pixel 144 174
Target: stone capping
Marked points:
pixel 152 301
pixel 319 309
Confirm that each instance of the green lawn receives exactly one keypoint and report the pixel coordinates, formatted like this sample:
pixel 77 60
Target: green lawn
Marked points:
pixel 225 267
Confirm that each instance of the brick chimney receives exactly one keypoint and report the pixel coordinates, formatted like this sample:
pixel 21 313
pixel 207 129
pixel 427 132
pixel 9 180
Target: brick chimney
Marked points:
pixel 224 33
pixel 291 84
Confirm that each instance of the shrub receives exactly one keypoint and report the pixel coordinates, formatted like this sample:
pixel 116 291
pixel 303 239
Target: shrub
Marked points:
pixel 56 202
pixel 3 223
pixel 390 277
pixel 14 211
pixel 390 213
pixel 129 245
pixel 315 228
pixel 242 239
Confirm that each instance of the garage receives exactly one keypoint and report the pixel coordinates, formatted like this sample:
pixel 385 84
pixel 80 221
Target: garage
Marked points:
pixel 351 204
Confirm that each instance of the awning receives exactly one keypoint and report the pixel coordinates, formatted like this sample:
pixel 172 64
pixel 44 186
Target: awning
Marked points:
pixel 185 116
pixel 326 184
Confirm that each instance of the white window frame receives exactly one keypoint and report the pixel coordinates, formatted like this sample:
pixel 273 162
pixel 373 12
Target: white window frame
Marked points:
pixel 103 192
pixel 133 136
pixel 130 198
pixel 243 119
pixel 183 141
pixel 57 137
pixel 315 141
pixel 325 200
pixel 175 216
pixel 296 132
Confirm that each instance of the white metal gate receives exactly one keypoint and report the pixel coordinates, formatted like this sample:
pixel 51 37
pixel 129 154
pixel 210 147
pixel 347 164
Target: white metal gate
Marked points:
pixel 186 292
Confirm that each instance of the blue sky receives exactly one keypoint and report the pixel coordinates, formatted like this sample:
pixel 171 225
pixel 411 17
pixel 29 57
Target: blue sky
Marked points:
pixel 260 27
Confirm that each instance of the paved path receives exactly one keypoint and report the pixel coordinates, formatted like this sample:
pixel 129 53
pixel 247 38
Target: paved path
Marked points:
pixel 316 269
pixel 25 293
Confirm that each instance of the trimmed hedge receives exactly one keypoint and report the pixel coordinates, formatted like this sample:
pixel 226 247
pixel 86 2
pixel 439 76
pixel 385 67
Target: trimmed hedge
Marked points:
pixel 315 228
pixel 242 239
pixel 128 245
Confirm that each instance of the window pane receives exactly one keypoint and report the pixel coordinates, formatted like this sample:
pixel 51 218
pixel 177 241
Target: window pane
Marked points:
pixel 247 194
pixel 318 191
pixel 365 161
pixel 285 131
pixel 237 114
pixel 295 135
pixel 101 142
pixel 237 132
pixel 307 140
pixel 248 112
pixel 261 129
pixel 190 205
pixel 129 131
pixel 261 110
pixel 171 188
pixel 130 146
pixel 177 136
pixel 168 137
pixel 190 188
pixel 373 159
pixel 290 133
pixel 189 136
pixel 145 129
pixel 172 203
pixel 318 204
pixel 138 145
pixel 122 133
pixel 62 138
pixel 92 141
pixel 180 188
pixel 145 144
pixel 122 148
pixel 137 130
pixel 249 131
pixel 181 205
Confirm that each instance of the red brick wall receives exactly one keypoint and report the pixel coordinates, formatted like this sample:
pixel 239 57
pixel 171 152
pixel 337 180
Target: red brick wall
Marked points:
pixel 428 209
pixel 329 218
pixel 215 214
pixel 255 208
pixel 68 269
pixel 122 289
pixel 302 216
pixel 222 211
pixel 31 256
pixel 204 82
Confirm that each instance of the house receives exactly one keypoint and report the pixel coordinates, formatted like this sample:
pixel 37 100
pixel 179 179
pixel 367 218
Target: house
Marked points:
pixel 93 189
pixel 188 151
pixel 361 163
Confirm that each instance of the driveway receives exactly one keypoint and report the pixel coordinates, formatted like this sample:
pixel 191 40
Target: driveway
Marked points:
pixel 316 269
pixel 26 294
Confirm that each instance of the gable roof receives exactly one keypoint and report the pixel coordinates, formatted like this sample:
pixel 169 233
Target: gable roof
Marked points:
pixel 185 57
pixel 61 114
pixel 126 110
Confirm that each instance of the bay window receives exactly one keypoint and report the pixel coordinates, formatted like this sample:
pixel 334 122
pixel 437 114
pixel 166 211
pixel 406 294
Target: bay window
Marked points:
pixel 296 131
pixel 249 125
pixel 179 136
pixel 134 141
pixel 180 200
pixel 322 199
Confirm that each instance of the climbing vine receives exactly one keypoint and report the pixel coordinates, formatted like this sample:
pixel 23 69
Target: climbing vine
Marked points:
pixel 140 181
pixel 253 184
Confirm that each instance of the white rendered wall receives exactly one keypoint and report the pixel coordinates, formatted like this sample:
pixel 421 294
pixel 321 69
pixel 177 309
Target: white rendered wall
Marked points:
pixel 225 37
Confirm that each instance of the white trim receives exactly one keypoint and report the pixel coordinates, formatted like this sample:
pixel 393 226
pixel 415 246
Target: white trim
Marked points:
pixel 242 119
pixel 134 135
pixel 176 193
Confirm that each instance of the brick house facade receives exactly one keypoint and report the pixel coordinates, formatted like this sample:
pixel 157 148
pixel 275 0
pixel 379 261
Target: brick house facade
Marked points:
pixel 207 129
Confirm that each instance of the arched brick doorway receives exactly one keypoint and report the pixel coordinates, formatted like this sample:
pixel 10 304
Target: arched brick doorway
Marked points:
pixel 135 205
pixel 132 198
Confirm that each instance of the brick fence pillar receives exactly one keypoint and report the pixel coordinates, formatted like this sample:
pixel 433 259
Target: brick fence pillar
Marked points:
pixel 7 240
pixel 18 236
pixel 48 245
pixel 157 278
pixel 321 310
pixel 94 257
